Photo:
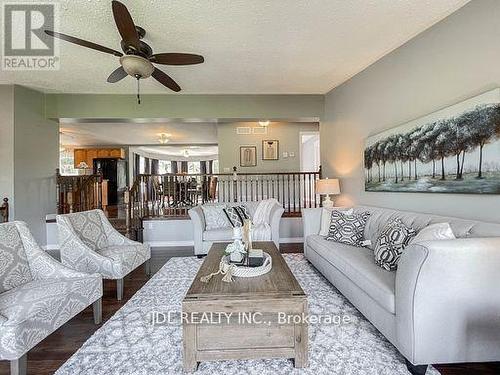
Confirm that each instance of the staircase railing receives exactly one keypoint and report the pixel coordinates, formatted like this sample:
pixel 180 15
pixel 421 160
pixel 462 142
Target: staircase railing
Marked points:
pixel 4 211
pixel 135 210
pixel 80 193
pixel 172 195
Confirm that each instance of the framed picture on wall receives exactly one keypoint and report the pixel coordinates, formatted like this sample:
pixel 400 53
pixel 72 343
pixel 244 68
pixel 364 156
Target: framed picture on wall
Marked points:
pixel 270 149
pixel 453 150
pixel 248 156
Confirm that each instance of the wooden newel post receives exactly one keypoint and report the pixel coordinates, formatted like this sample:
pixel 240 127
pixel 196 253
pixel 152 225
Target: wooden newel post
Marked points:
pixel 126 200
pixel 235 185
pixel 5 210
pixel 58 192
pixel 69 199
pixel 99 191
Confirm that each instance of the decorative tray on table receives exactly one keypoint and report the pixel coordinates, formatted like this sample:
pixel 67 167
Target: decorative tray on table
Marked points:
pixel 242 270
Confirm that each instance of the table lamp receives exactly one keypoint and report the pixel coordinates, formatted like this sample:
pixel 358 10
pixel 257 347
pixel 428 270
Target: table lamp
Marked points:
pixel 328 186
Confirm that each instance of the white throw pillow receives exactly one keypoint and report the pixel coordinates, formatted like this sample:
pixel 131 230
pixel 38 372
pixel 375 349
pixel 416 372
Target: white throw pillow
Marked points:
pixel 215 218
pixel 433 232
pixel 326 218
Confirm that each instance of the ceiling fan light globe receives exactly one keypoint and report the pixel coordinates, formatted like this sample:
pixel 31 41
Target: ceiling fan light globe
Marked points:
pixel 136 66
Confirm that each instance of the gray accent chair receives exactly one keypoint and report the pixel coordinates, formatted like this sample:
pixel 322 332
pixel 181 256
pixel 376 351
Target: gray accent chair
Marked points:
pixel 442 305
pixel 203 239
pixel 37 294
pixel 89 243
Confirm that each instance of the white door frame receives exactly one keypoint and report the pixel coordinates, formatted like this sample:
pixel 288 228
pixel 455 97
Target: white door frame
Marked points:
pixel 301 133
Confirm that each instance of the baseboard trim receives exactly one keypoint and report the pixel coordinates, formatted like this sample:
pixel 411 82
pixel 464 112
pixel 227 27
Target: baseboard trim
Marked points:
pixel 169 243
pixel 191 243
pixel 183 243
pixel 292 240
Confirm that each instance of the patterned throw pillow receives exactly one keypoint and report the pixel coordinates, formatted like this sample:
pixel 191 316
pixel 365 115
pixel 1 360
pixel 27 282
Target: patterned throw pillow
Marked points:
pixel 326 218
pixel 236 215
pixel 347 228
pixel 215 218
pixel 14 267
pixel 393 239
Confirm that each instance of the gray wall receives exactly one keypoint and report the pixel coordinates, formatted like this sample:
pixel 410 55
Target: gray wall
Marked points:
pixel 454 60
pixel 6 143
pixel 36 157
pixel 287 133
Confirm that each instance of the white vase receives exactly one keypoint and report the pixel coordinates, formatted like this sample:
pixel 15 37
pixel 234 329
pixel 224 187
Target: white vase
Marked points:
pixel 237 233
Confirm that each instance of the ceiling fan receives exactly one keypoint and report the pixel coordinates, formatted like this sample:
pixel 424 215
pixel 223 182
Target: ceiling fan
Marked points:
pixel 137 58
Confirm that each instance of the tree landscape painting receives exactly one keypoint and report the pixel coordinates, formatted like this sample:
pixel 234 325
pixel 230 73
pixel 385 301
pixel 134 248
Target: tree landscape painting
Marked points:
pixel 454 150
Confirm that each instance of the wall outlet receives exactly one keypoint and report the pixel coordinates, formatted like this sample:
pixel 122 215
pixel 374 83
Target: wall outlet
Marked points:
pixel 292 154
pixel 227 170
pixel 285 154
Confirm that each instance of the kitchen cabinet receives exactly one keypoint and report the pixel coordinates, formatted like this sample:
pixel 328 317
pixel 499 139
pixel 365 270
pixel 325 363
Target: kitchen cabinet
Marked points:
pixel 88 155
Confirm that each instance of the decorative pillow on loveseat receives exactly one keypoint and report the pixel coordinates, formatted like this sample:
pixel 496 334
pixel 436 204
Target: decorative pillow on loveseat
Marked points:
pixel 215 218
pixel 347 228
pixel 236 215
pixel 393 239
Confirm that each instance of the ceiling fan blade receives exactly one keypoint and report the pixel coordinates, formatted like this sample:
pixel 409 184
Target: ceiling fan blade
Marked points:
pixel 165 80
pixel 176 58
pixel 83 43
pixel 125 25
pixel 117 75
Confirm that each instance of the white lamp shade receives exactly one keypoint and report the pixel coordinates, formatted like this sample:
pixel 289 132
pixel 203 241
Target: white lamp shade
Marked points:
pixel 328 186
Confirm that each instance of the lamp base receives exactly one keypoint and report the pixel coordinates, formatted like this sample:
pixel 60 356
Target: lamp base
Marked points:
pixel 327 202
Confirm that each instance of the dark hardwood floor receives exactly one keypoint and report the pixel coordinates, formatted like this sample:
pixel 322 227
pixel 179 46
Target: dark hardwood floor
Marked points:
pixel 52 352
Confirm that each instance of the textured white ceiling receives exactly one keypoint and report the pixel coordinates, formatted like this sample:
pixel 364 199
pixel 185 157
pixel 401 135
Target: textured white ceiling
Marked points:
pixel 94 134
pixel 250 46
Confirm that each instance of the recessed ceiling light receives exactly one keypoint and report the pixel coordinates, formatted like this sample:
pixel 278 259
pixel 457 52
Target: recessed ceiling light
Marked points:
pixel 264 124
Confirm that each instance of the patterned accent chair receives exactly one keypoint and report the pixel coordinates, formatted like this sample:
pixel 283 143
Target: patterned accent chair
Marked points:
pixel 89 243
pixel 37 294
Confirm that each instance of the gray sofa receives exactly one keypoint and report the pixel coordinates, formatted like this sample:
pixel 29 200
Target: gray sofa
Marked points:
pixel 442 305
pixel 203 239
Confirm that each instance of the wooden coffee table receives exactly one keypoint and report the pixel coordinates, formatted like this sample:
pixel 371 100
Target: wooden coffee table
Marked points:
pixel 250 318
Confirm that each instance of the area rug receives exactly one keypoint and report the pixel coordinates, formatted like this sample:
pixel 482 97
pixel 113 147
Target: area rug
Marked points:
pixel 127 344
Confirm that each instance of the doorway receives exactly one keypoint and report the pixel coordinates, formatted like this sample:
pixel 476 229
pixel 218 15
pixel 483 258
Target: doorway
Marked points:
pixel 109 170
pixel 310 159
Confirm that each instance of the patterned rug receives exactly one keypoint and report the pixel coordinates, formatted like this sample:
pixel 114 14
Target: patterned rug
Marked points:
pixel 128 344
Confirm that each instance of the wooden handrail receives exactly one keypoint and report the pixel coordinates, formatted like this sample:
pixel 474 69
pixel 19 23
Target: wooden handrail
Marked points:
pixel 4 211
pixel 78 193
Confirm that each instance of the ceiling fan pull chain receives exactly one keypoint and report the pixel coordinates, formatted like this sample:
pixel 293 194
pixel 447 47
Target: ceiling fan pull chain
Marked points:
pixel 138 91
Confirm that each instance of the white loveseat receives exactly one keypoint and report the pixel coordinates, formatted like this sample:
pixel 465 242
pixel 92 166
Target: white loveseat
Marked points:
pixel 442 305
pixel 203 238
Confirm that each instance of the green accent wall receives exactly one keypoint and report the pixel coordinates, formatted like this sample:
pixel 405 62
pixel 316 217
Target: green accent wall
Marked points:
pixel 98 106
pixel 36 157
pixel 7 144
pixel 287 133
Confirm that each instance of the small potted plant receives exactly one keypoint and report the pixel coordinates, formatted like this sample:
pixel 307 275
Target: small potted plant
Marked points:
pixel 236 251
